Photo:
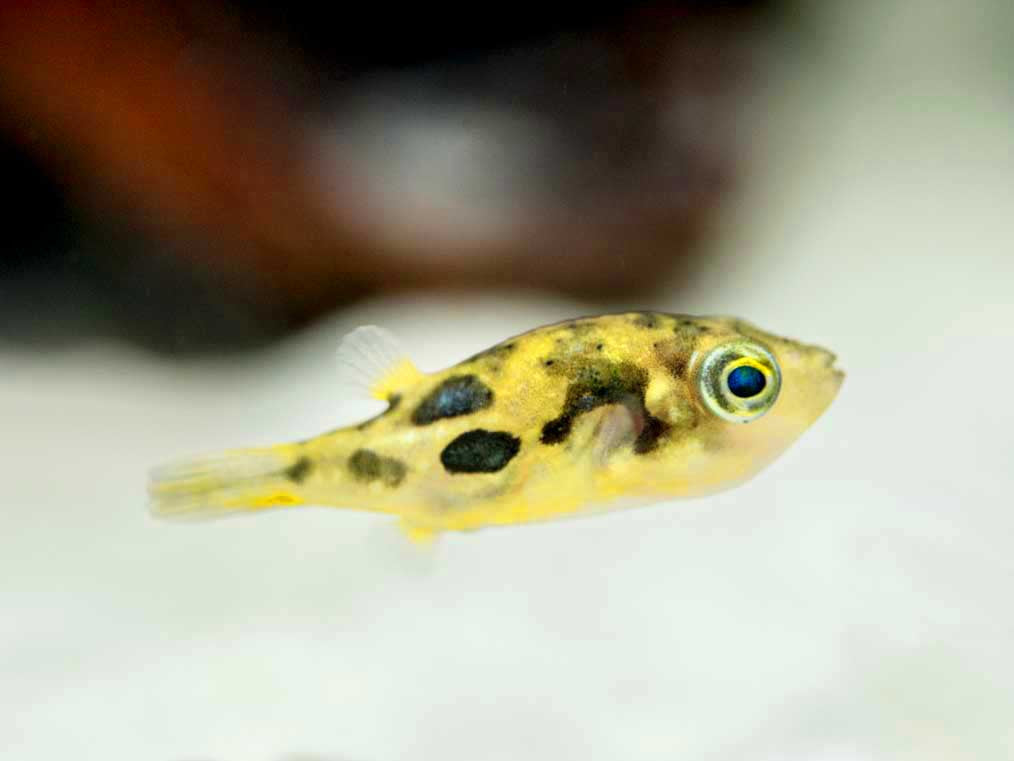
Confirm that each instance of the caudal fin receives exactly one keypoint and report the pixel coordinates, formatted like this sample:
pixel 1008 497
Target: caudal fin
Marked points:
pixel 230 482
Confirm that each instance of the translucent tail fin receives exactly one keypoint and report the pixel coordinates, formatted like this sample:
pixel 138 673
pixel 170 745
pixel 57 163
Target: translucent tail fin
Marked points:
pixel 230 482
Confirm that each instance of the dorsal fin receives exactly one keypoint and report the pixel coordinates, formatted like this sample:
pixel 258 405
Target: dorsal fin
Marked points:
pixel 373 363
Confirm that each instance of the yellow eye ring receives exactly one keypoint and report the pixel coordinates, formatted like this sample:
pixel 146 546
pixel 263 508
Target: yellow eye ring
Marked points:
pixel 739 381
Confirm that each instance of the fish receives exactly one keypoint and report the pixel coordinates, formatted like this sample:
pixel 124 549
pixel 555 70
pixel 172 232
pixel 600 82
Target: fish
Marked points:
pixel 588 415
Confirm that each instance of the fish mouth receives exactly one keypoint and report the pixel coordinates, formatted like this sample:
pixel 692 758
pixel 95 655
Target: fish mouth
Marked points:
pixel 828 358
pixel 829 365
pixel 837 374
pixel 838 377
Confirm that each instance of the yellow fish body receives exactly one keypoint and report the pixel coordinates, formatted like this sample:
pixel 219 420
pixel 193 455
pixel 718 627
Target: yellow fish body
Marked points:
pixel 586 415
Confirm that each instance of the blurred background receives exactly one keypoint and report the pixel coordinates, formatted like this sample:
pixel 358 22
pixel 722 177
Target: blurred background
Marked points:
pixel 202 198
pixel 194 176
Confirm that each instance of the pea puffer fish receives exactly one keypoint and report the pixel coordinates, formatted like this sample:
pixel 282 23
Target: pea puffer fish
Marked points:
pixel 583 416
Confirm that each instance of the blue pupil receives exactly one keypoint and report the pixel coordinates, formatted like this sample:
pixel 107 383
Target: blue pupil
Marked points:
pixel 746 381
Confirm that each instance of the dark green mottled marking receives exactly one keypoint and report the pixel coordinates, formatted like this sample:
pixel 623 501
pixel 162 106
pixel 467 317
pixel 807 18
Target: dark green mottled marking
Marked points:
pixel 645 320
pixel 577 328
pixel 677 365
pixel 458 395
pixel 299 470
pixel 392 404
pixel 675 354
pixel 480 451
pixel 690 326
pixel 599 382
pixel 368 466
pixel 653 430
pixel 499 352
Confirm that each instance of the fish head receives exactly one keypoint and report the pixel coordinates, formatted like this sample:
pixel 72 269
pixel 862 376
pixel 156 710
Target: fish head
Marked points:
pixel 756 393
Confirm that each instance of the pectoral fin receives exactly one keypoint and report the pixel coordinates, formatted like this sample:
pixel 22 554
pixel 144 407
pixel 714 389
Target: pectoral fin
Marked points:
pixel 618 427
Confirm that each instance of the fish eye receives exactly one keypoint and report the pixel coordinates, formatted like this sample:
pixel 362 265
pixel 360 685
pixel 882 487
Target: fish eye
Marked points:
pixel 739 381
pixel 746 381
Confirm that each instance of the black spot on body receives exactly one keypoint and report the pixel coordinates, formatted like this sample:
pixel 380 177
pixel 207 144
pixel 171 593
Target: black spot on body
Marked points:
pixel 299 470
pixel 556 430
pixel 458 395
pixel 367 466
pixel 480 451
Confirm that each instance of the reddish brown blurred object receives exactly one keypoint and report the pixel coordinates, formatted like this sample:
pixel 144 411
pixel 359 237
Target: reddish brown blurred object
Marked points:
pixel 588 163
